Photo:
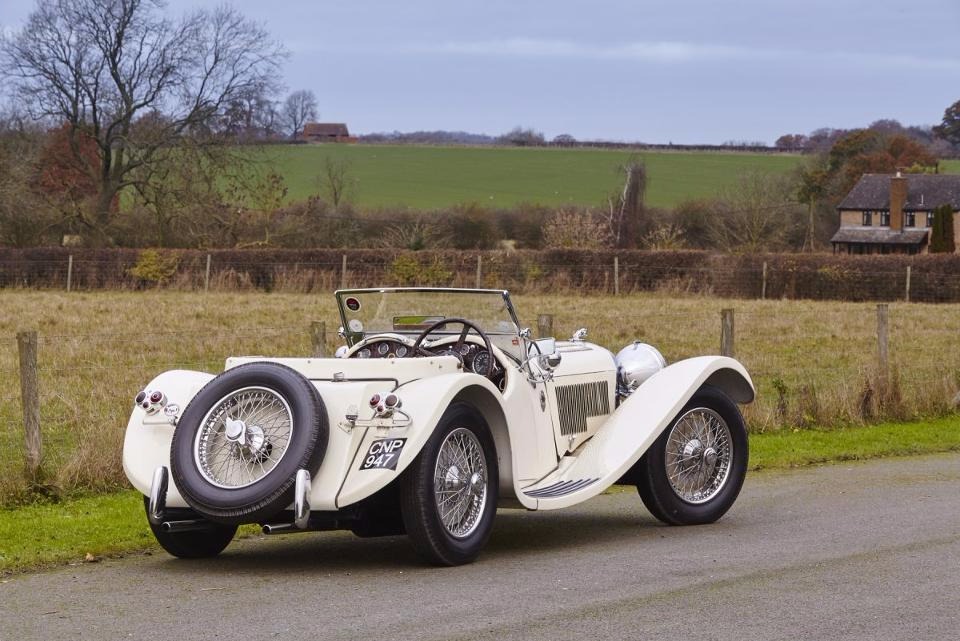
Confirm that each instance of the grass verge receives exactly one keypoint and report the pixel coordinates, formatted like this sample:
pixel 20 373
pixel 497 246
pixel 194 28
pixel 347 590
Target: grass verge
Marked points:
pixel 90 528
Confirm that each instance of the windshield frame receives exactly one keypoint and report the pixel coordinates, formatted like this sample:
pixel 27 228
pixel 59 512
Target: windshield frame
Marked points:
pixel 353 338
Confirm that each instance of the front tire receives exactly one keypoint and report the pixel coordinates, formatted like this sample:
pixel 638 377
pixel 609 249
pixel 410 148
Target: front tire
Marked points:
pixel 693 472
pixel 448 496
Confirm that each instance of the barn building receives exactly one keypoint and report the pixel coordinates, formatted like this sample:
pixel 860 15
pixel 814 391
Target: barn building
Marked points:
pixel 326 132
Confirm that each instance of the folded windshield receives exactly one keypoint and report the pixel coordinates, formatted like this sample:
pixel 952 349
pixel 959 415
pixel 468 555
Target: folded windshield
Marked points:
pixel 409 311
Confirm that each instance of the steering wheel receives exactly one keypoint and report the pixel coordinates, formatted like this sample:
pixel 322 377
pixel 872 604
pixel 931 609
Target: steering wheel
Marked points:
pixel 467 326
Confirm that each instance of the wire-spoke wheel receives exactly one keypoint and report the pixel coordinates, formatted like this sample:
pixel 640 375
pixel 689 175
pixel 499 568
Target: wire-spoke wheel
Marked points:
pixel 460 483
pixel 448 494
pixel 239 443
pixel 698 455
pixel 243 437
pixel 694 471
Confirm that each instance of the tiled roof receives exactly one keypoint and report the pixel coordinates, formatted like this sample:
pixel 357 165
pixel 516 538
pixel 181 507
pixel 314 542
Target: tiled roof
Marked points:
pixel 925 192
pixel 879 236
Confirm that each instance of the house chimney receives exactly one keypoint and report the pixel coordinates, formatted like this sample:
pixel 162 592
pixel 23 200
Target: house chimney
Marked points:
pixel 898 198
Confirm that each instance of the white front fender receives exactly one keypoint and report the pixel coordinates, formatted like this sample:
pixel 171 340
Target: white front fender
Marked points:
pixel 636 424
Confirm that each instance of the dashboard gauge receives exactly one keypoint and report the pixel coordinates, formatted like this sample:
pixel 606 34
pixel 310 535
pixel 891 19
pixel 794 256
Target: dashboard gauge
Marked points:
pixel 383 349
pixel 464 349
pixel 363 353
pixel 481 363
pixel 401 351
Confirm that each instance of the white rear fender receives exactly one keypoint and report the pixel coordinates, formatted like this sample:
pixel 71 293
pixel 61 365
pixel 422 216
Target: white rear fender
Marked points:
pixel 635 425
pixel 424 401
pixel 146 445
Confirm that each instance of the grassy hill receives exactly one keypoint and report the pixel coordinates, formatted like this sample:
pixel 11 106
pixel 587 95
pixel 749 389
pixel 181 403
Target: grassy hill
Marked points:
pixel 435 177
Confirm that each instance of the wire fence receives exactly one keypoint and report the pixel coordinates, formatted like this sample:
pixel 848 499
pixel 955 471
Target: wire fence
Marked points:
pixel 520 272
pixel 813 363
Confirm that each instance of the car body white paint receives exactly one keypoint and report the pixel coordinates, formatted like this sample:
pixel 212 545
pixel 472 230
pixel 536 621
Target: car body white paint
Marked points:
pixel 540 468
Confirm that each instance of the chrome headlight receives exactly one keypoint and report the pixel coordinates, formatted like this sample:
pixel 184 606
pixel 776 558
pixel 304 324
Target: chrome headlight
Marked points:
pixel 636 363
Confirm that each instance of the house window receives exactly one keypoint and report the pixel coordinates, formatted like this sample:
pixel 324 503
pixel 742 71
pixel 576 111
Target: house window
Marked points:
pixel 884 218
pixel 867 218
pixel 929 219
pixel 910 219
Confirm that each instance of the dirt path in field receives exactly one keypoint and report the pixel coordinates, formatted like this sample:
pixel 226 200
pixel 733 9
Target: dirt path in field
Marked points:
pixel 852 551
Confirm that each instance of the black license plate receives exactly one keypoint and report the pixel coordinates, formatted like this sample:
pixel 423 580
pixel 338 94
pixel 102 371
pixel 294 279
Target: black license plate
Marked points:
pixel 383 454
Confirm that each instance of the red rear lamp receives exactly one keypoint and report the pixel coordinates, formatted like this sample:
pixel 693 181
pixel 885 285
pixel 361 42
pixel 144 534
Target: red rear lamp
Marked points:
pixel 392 401
pixel 374 400
pixel 156 397
pixel 140 398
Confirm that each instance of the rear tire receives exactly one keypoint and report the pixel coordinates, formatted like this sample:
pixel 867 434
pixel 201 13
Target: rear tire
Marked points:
pixel 198 544
pixel 448 496
pixel 694 471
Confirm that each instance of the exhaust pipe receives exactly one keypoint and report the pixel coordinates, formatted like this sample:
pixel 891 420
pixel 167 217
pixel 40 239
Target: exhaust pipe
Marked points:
pixel 188 525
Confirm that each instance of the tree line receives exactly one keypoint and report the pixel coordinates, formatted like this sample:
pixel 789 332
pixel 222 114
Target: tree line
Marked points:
pixel 130 123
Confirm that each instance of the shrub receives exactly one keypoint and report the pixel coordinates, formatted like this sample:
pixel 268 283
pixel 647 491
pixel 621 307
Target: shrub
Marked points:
pixel 154 266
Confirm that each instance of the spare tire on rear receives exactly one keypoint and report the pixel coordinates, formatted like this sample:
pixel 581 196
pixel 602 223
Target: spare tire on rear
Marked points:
pixel 239 443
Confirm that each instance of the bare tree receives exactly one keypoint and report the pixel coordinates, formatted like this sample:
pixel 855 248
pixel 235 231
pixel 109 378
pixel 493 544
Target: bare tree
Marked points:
pixel 299 108
pixel 335 182
pixel 120 73
pixel 626 211
pixel 757 215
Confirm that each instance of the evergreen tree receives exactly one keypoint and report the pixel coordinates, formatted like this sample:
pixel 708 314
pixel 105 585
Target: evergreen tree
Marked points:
pixel 941 234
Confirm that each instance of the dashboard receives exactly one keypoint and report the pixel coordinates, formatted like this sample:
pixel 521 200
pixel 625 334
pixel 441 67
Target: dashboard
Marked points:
pixel 475 358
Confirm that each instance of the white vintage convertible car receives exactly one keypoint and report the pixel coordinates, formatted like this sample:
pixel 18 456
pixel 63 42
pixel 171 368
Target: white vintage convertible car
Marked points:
pixel 440 409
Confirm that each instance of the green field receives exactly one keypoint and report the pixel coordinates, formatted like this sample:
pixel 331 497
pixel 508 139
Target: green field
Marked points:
pixel 436 177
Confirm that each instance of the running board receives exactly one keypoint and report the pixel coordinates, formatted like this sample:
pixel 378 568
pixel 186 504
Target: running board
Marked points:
pixel 560 488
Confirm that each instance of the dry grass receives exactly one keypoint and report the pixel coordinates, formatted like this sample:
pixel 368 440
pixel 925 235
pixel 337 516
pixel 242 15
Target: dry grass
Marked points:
pixel 814 363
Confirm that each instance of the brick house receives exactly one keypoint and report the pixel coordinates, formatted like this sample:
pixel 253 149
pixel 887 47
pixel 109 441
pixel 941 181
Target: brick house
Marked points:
pixel 326 132
pixel 886 214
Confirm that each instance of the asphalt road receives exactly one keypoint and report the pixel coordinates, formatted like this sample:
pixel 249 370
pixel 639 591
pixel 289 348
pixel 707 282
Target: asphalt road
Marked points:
pixel 851 551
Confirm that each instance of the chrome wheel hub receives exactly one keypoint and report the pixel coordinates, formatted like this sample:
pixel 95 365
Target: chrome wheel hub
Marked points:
pixel 243 437
pixel 460 483
pixel 698 455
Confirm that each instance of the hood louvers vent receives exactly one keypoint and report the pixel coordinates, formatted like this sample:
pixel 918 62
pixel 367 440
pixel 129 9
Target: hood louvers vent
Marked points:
pixel 577 403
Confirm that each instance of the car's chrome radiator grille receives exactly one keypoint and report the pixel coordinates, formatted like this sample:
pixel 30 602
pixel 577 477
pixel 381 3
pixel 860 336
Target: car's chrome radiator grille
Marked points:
pixel 577 403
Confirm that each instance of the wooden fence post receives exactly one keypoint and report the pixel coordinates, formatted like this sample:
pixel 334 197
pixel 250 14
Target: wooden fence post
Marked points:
pixel 479 272
pixel 616 275
pixel 883 337
pixel 206 276
pixel 544 325
pixel 907 293
pixel 763 286
pixel 30 401
pixel 726 333
pixel 69 272
pixel 343 273
pixel 318 338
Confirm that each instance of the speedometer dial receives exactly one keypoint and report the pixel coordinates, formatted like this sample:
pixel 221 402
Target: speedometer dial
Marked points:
pixel 363 353
pixel 383 349
pixel 401 351
pixel 482 363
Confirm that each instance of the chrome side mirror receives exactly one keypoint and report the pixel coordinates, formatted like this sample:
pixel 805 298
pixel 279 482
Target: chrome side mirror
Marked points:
pixel 545 350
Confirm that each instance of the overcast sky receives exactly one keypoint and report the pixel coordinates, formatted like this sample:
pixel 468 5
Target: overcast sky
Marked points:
pixel 686 71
